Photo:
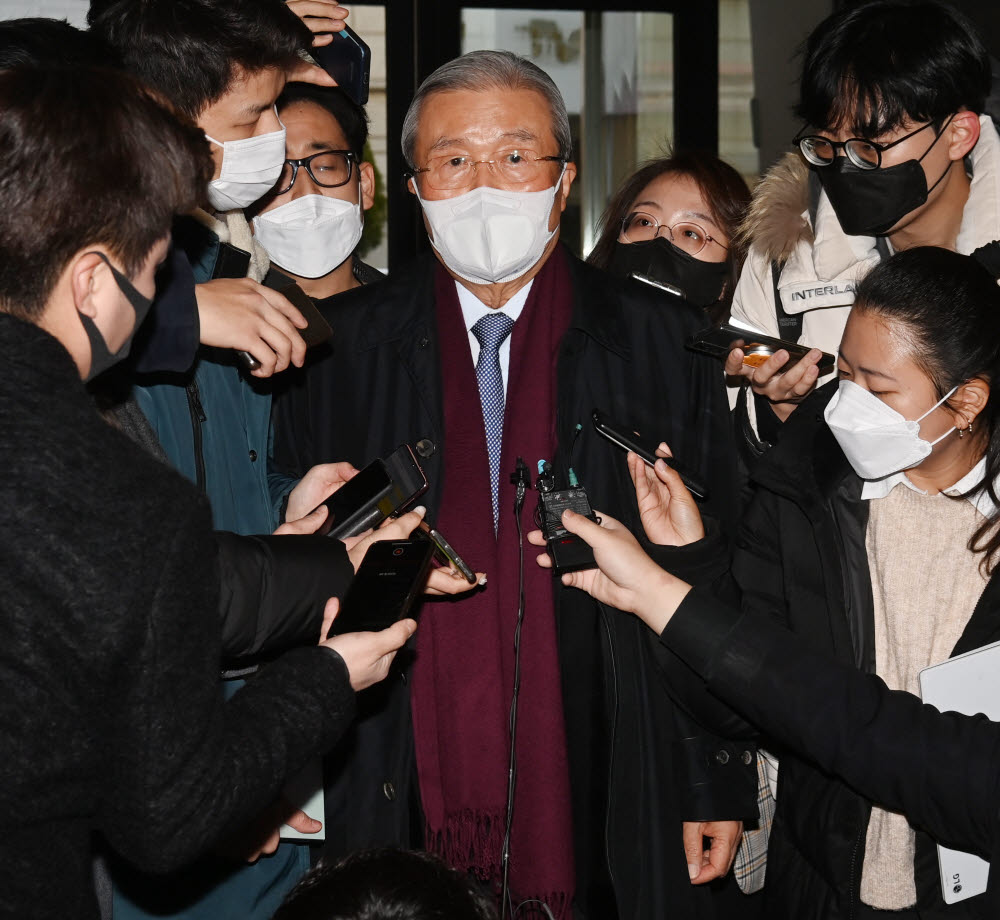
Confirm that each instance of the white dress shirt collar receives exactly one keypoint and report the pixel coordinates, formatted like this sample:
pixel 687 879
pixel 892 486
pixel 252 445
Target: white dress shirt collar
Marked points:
pixel 880 488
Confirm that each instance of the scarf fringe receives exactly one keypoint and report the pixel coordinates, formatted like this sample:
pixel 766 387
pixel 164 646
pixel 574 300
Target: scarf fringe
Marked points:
pixel 473 842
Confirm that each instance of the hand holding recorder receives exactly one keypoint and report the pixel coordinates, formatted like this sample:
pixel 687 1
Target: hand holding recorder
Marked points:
pixel 626 577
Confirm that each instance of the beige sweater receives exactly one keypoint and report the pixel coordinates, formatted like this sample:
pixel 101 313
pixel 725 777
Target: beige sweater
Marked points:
pixel 925 585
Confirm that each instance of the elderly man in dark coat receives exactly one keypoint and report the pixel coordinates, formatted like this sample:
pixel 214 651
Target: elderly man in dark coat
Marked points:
pixel 498 347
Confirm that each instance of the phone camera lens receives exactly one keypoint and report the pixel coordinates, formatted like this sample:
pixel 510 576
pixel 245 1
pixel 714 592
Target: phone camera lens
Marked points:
pixel 398 551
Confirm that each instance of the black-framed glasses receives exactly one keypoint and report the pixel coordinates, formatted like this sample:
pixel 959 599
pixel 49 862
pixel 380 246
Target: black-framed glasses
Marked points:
pixel 328 168
pixel 640 227
pixel 514 167
pixel 865 154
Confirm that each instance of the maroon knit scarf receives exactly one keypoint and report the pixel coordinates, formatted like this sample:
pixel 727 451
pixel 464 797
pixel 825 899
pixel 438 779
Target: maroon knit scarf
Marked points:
pixel 464 672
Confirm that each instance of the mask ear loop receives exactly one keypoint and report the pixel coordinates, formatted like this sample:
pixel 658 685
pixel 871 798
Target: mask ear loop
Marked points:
pixel 937 137
pixel 941 402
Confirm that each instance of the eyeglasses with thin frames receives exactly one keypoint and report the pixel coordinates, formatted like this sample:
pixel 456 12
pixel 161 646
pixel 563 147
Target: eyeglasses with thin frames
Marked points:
pixel 692 238
pixel 515 167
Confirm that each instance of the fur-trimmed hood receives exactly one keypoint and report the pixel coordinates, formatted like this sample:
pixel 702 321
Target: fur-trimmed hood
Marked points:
pixel 778 221
pixel 775 222
pixel 791 223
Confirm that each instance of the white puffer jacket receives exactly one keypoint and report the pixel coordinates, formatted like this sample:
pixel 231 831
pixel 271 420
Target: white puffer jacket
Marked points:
pixel 821 264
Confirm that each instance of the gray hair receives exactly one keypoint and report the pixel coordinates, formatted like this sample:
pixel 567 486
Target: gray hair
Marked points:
pixel 480 70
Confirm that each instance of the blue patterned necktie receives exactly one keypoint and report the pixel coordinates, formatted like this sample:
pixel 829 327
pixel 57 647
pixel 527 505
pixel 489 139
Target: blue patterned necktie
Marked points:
pixel 491 331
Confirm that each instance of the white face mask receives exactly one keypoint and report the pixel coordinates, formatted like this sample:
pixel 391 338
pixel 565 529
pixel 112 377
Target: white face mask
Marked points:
pixel 874 437
pixel 490 235
pixel 310 236
pixel 250 167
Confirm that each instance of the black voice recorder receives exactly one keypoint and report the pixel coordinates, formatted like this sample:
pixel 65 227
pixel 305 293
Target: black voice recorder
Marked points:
pixel 569 553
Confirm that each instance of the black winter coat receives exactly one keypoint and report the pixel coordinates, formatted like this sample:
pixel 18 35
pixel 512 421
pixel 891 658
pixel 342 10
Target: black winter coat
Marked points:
pixel 274 590
pixel 639 766
pixel 940 769
pixel 111 720
pixel 800 558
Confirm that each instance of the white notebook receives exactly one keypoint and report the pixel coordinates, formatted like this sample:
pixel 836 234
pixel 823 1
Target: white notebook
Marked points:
pixel 305 791
pixel 969 684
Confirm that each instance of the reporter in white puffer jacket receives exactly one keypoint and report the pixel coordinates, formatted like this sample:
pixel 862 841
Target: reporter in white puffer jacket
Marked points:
pixel 912 77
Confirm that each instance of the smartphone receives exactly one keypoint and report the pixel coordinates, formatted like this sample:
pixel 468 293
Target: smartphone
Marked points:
pixel 389 580
pixel 660 285
pixel 231 262
pixel 348 60
pixel 386 486
pixel 718 341
pixel 446 552
pixel 645 448
pixel 316 332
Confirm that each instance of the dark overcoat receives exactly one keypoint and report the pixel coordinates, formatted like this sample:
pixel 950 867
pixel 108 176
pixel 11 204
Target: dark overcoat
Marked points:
pixel 639 765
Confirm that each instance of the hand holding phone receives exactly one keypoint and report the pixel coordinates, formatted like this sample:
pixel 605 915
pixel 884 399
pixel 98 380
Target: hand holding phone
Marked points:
pixel 317 329
pixel 781 376
pixel 646 448
pixel 322 17
pixel 668 511
pixel 387 584
pixel 719 341
pixel 348 60
pixel 454 577
pixel 446 552
pixel 386 486
pixel 368 655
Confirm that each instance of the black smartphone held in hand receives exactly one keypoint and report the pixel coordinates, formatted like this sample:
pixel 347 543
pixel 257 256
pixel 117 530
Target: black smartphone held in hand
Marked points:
pixel 386 486
pixel 388 582
pixel 348 60
pixel 645 449
pixel 718 341
pixel 316 332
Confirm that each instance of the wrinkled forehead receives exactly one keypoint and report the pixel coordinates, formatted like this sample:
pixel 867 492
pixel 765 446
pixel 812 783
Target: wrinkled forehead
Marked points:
pixel 485 116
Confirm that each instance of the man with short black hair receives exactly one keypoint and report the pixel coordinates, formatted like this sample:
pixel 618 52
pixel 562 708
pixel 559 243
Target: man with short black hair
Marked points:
pixel 224 65
pixel 895 152
pixel 110 711
pixel 312 221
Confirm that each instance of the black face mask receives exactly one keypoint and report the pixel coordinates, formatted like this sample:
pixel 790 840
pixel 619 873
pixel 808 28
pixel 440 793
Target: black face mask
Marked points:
pixel 870 202
pixel 659 259
pixel 101 358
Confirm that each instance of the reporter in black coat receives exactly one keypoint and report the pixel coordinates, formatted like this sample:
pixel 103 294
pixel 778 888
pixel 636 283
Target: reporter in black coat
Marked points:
pixel 111 720
pixel 940 769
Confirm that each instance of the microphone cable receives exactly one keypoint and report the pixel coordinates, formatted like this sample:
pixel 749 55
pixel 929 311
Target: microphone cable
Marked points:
pixel 521 478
